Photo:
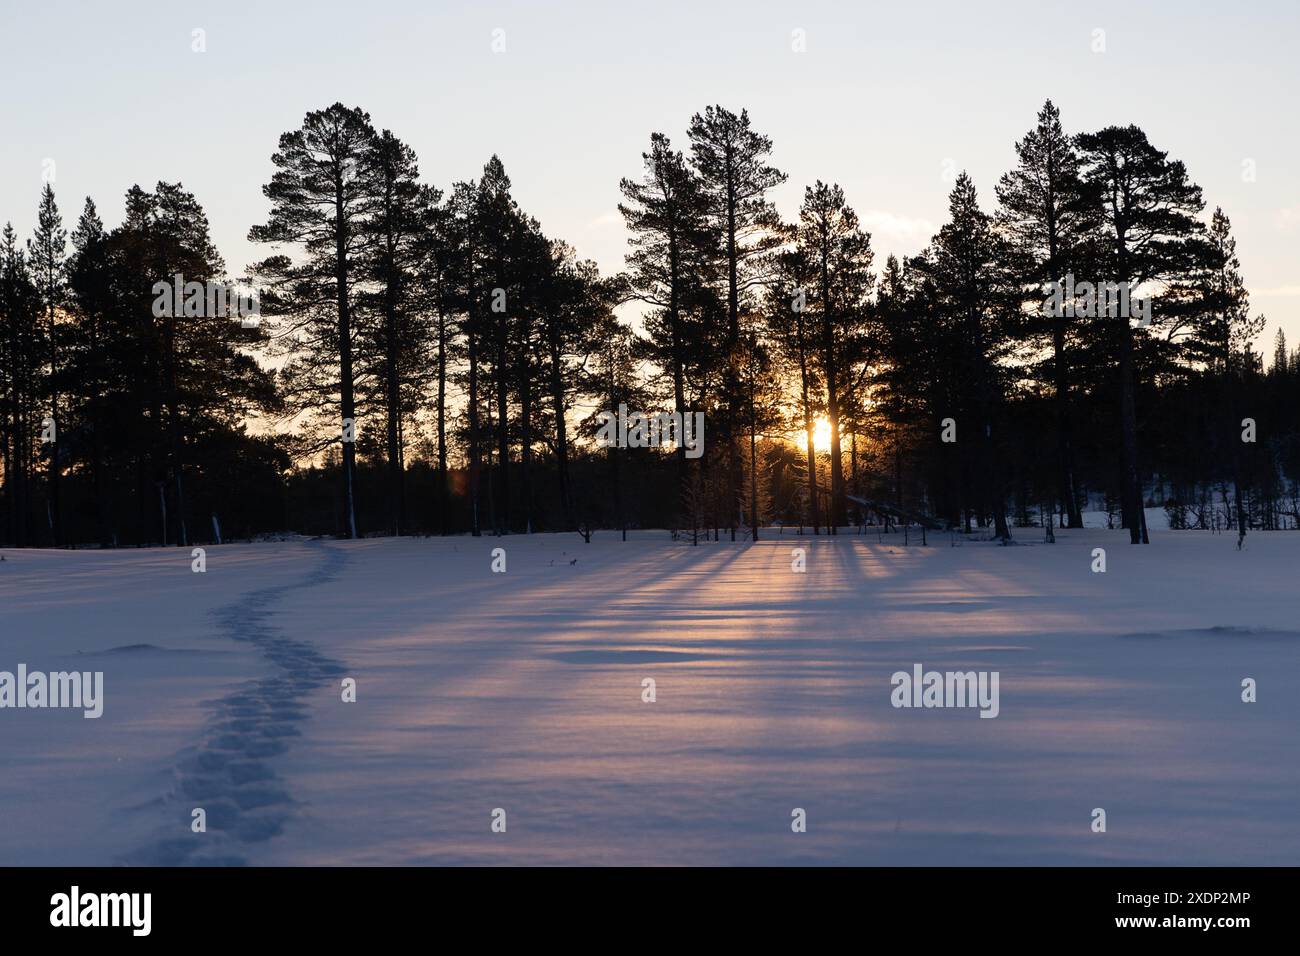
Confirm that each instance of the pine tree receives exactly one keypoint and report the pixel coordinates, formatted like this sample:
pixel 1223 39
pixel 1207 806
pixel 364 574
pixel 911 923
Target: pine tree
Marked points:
pixel 838 252
pixel 395 343
pixel 669 269
pixel 761 394
pixel 730 159
pixel 792 332
pixel 464 280
pixel 24 356
pixel 1148 213
pixel 444 244
pixel 497 302
pixel 91 294
pixel 323 198
pixel 576 305
pixel 612 381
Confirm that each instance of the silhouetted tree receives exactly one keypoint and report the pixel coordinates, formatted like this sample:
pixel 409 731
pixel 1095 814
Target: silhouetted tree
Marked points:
pixel 396 344
pixel 730 159
pixel 669 269
pixel 972 295
pixel 46 255
pixel 323 198
pixel 1148 215
pixel 1048 216
pixel 838 253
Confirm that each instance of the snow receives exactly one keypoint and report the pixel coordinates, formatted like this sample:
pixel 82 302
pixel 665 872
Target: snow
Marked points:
pixel 523 691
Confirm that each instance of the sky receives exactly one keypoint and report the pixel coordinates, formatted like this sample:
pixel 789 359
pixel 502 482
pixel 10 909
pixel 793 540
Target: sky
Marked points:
pixel 888 100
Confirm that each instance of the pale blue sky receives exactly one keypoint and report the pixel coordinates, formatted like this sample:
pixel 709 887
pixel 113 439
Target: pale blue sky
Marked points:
pixel 883 96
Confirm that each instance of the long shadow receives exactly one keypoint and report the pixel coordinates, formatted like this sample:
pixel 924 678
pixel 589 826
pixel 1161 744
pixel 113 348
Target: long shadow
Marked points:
pixel 229 773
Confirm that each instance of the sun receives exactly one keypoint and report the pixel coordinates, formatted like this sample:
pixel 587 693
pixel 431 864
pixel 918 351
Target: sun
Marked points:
pixel 821 435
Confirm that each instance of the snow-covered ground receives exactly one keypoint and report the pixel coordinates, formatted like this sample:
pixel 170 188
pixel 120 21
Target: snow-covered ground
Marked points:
pixel 523 691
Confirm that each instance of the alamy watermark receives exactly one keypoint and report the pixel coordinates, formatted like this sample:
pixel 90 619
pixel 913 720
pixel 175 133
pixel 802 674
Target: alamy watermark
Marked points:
pixel 75 908
pixel 213 300
pixel 641 430
pixel 83 690
pixel 1087 300
pixel 922 688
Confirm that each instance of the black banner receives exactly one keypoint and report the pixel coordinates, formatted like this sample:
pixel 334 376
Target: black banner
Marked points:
pixel 360 904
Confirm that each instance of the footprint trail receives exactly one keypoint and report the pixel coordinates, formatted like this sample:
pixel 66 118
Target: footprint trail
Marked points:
pixel 230 772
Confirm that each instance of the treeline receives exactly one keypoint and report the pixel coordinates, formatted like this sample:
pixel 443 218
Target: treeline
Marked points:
pixel 120 426
pixel 430 361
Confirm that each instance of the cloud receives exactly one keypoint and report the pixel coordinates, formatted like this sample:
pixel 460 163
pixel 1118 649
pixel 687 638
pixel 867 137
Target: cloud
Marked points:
pixel 906 230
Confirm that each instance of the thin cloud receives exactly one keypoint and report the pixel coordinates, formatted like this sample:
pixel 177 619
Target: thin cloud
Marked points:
pixel 906 229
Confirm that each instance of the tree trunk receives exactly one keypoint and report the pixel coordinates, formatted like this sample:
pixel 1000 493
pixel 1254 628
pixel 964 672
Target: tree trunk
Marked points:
pixel 393 399
pixel 56 520
pixel 174 434
pixel 442 419
pixel 502 521
pixel 526 438
pixel 1131 497
pixel 561 429
pixel 753 463
pixel 1064 431
pixel 345 352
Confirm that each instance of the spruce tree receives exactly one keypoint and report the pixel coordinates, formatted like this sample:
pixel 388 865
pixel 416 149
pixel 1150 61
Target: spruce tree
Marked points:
pixel 973 296
pixel 1046 214
pixel 47 258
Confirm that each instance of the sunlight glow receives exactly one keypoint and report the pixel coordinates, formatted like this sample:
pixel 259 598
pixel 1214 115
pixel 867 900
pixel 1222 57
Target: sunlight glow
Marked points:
pixel 821 435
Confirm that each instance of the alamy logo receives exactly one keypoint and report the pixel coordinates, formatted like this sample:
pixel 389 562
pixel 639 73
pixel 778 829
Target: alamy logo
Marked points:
pixel 103 909
pixel 639 430
pixel 83 690
pixel 212 300
pixel 922 688
pixel 1084 300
